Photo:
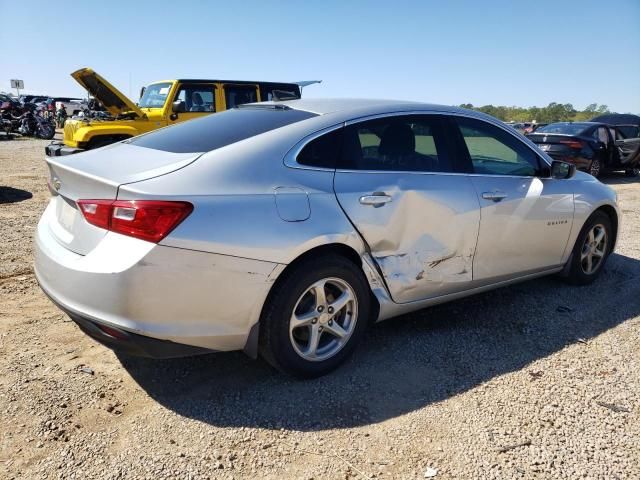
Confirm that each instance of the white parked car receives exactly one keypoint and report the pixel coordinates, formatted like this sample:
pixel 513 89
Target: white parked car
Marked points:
pixel 73 106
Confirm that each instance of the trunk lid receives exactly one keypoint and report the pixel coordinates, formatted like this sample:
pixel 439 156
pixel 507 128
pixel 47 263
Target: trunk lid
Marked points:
pixel 556 145
pixel 113 100
pixel 97 174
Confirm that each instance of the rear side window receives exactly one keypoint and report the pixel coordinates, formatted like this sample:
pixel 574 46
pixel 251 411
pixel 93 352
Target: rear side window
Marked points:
pixel 221 129
pixel 323 151
pixel 494 151
pixel 412 143
pixel 240 94
pixel 283 91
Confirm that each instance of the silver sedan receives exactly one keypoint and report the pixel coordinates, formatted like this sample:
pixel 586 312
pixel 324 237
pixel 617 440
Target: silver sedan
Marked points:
pixel 287 228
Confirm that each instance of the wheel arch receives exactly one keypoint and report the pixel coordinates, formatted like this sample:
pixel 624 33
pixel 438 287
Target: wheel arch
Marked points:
pixel 613 216
pixel 340 249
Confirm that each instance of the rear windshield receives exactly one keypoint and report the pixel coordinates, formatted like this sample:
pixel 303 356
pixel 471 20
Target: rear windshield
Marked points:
pixel 564 128
pixel 220 129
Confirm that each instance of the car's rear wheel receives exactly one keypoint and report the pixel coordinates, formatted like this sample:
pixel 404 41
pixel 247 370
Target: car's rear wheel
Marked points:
pixel 591 249
pixel 595 168
pixel 315 317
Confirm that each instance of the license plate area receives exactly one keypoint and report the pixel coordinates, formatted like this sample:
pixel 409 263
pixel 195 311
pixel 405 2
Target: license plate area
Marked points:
pixel 67 214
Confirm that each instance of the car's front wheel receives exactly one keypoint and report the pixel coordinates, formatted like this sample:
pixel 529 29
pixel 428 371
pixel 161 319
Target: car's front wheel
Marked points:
pixel 591 249
pixel 315 317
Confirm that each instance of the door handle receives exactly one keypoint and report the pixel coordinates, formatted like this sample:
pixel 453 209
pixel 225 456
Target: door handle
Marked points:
pixel 377 199
pixel 495 196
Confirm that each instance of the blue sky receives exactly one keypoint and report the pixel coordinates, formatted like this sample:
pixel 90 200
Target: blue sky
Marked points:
pixel 501 52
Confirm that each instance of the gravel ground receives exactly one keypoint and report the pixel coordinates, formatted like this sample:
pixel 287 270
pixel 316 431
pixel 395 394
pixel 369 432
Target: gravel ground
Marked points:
pixel 537 380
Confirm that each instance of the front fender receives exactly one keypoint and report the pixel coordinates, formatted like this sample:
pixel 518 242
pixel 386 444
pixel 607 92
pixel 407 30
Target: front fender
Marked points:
pixel 589 196
pixel 85 134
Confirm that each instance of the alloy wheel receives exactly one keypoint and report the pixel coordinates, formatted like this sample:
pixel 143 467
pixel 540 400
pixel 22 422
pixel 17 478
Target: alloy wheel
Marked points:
pixel 594 170
pixel 593 249
pixel 323 319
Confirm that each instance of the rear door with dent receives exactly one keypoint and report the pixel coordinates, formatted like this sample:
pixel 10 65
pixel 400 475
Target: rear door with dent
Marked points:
pixel 399 183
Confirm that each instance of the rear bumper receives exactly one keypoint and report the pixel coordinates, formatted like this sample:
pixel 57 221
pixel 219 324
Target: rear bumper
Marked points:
pixel 127 342
pixel 59 149
pixel 167 294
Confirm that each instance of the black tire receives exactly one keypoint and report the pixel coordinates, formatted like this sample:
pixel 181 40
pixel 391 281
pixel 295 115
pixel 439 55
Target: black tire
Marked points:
pixel 46 130
pixel 577 274
pixel 276 344
pixel 595 169
pixel 632 172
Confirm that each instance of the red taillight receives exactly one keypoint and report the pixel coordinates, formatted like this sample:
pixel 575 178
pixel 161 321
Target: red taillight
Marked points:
pixel 150 220
pixel 97 212
pixel 573 144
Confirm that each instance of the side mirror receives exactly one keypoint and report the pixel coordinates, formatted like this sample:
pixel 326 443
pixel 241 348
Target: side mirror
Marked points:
pixel 178 106
pixel 562 170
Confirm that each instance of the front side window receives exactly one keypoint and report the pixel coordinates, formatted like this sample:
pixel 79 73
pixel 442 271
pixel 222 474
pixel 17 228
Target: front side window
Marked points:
pixel 155 95
pixel 494 151
pixel 239 94
pixel 411 143
pixel 197 98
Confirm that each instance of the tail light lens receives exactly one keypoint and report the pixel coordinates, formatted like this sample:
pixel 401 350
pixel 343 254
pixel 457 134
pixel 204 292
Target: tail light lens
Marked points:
pixel 149 220
pixel 573 144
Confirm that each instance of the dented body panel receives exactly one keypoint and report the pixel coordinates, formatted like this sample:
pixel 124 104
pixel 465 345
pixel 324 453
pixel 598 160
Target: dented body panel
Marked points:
pixel 424 238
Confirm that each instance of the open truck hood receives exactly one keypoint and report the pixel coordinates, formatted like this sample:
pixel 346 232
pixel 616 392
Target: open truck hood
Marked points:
pixel 113 99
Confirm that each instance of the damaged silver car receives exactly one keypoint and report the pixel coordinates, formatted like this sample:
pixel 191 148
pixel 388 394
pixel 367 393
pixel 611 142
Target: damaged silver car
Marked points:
pixel 287 228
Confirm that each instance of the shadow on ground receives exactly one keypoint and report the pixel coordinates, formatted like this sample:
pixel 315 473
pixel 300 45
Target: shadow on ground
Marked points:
pixel 404 364
pixel 617 178
pixel 13 195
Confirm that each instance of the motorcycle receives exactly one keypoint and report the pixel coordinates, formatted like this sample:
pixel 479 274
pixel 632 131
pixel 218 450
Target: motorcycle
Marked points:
pixel 27 120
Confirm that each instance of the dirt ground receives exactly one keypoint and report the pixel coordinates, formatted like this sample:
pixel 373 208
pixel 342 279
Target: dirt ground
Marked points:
pixel 538 380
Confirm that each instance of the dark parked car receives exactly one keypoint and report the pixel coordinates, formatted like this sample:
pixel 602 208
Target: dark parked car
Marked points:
pixel 592 146
pixel 628 124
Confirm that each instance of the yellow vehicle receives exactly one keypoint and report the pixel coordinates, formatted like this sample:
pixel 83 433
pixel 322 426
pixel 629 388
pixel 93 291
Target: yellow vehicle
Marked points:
pixel 161 104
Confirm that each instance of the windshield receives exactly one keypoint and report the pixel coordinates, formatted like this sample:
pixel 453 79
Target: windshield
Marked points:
pixel 155 95
pixel 215 131
pixel 564 128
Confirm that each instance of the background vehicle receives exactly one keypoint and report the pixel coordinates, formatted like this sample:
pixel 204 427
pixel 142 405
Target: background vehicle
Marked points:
pixel 27 119
pixel 591 146
pixel 161 104
pixel 31 98
pixel 533 127
pixel 303 222
pixel 73 106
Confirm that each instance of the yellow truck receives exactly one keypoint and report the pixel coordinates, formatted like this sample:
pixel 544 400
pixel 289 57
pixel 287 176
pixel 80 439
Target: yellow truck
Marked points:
pixel 161 104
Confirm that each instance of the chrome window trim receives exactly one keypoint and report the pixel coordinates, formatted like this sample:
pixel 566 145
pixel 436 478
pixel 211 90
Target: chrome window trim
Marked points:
pixel 290 159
